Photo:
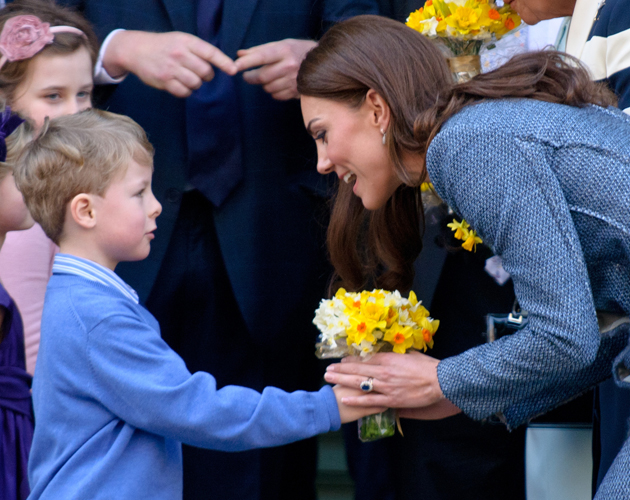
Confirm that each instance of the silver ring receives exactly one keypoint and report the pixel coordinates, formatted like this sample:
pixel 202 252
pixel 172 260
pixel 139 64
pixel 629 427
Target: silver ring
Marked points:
pixel 367 385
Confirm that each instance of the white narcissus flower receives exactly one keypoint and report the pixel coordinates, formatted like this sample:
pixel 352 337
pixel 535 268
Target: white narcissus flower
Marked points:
pixel 365 348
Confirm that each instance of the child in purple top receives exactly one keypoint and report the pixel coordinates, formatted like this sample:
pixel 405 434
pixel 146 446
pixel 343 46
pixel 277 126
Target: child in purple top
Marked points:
pixel 16 412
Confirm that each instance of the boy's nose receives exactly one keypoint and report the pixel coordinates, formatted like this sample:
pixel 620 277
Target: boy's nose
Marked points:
pixel 157 209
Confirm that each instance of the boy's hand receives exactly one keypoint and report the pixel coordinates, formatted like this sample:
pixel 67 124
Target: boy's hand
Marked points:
pixel 352 413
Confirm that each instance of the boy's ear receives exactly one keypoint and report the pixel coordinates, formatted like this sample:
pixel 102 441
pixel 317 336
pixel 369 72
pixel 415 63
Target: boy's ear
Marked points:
pixel 379 109
pixel 83 211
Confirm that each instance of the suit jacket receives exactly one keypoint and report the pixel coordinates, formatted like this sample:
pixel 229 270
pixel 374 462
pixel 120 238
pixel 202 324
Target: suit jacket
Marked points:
pixel 266 228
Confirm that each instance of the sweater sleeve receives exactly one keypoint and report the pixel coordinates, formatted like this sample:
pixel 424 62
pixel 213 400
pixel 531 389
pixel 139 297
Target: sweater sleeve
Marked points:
pixel 505 188
pixel 137 377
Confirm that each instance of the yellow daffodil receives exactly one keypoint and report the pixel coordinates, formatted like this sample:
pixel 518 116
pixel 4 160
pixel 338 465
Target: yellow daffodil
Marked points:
pixel 401 337
pixel 369 320
pixel 467 235
pixel 471 241
pixel 463 20
pixel 423 336
pixel 362 328
pixel 460 228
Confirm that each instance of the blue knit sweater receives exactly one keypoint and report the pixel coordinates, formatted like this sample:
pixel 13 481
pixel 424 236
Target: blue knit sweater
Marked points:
pixel 113 402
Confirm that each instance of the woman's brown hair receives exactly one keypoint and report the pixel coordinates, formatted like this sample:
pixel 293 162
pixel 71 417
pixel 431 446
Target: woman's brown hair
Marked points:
pixel 378 248
pixel 13 73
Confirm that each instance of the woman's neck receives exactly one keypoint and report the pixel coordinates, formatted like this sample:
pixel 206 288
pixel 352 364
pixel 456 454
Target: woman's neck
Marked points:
pixel 3 236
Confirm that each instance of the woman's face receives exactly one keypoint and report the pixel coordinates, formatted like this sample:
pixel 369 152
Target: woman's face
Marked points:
pixel 350 144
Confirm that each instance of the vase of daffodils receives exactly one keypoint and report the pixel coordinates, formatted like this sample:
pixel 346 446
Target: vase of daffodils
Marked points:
pixel 462 27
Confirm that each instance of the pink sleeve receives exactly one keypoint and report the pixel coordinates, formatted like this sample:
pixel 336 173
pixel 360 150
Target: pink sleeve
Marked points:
pixel 26 262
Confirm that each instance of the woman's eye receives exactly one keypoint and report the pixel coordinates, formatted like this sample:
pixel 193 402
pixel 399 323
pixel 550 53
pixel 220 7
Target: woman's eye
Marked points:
pixel 321 135
pixel 84 95
pixel 52 97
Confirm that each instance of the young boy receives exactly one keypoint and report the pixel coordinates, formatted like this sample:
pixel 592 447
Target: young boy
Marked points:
pixel 112 401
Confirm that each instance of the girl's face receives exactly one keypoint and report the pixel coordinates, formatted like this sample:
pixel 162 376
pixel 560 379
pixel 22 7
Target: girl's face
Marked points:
pixel 350 143
pixel 14 215
pixel 55 85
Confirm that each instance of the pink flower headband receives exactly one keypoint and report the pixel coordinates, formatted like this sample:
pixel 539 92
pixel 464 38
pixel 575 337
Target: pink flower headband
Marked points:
pixel 24 36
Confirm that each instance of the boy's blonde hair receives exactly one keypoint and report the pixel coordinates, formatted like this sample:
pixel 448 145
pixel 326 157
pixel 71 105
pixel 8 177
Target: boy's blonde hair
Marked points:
pixel 81 153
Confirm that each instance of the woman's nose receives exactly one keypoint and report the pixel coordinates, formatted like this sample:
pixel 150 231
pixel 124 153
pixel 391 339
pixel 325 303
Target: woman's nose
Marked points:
pixel 324 165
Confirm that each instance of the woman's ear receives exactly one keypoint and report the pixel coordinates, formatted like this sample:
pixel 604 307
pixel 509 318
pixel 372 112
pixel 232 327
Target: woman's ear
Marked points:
pixel 82 210
pixel 379 110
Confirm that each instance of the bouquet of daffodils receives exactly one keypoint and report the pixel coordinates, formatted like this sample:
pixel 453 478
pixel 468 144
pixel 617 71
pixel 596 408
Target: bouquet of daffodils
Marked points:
pixel 463 26
pixel 363 323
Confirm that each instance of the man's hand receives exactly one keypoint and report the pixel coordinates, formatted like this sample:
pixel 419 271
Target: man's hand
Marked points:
pixel 277 65
pixel 176 62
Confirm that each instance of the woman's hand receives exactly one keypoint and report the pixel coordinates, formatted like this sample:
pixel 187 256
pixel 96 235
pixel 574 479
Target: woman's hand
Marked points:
pixel 442 409
pixel 399 380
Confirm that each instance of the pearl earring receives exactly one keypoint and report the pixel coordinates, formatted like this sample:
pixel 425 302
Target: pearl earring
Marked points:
pixel 384 137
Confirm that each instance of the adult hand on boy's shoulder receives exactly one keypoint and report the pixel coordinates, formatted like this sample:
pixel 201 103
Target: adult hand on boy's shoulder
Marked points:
pixel 351 413
pixel 175 61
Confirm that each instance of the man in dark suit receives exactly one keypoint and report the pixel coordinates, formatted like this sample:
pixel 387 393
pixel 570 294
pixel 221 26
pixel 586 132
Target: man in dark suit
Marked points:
pixel 238 265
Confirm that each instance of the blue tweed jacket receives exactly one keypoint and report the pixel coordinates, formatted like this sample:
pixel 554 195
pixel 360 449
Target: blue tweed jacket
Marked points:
pixel 547 187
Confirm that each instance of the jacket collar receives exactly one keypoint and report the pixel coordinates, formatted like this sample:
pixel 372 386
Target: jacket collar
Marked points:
pixel 581 24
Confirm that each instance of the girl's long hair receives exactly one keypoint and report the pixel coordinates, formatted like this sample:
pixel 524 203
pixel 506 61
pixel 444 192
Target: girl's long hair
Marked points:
pixel 378 248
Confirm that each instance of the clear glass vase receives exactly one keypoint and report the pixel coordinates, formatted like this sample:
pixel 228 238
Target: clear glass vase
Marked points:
pixel 377 426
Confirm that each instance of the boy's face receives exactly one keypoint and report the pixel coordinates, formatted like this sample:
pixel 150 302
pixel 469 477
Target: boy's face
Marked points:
pixel 125 217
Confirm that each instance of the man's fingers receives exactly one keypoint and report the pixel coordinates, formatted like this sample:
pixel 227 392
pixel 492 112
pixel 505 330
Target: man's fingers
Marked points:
pixel 177 88
pixel 188 78
pixel 285 95
pixel 214 56
pixel 258 56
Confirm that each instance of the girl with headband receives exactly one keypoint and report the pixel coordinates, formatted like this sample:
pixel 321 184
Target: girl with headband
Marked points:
pixel 47 58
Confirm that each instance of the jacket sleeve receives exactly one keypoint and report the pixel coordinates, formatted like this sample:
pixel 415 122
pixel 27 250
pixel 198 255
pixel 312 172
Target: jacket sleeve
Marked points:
pixel 139 379
pixel 505 188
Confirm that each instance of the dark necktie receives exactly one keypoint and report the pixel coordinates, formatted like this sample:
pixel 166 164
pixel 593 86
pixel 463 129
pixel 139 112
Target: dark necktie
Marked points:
pixel 213 122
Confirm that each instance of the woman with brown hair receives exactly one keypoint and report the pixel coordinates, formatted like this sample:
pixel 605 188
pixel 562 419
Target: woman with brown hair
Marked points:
pixel 535 159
